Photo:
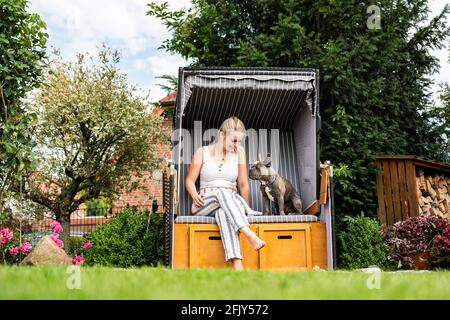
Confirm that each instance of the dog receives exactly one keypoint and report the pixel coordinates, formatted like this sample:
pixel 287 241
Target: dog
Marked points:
pixel 275 188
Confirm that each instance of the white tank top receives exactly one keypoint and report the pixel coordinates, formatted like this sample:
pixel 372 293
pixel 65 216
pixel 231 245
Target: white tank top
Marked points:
pixel 210 176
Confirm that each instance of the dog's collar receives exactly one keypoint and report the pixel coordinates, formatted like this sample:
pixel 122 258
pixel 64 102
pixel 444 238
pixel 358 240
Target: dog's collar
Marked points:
pixel 271 182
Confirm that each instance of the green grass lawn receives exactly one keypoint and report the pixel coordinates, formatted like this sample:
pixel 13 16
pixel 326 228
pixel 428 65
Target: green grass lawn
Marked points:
pixel 161 283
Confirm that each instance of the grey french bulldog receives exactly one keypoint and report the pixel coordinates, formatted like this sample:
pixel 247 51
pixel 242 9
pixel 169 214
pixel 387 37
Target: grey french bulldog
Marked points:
pixel 275 188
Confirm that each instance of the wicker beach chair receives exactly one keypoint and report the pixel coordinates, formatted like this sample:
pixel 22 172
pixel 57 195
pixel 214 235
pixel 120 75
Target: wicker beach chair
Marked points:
pixel 280 109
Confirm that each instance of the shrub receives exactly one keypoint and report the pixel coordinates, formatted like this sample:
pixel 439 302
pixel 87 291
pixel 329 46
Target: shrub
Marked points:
pixel 130 239
pixel 76 245
pixel 415 235
pixel 361 244
pixel 440 251
pixel 98 207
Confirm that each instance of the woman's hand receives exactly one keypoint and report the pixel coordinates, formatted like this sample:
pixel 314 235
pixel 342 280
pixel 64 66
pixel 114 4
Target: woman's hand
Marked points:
pixel 198 200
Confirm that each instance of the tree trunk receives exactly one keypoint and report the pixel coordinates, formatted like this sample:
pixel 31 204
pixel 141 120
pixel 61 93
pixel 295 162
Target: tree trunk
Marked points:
pixel 65 235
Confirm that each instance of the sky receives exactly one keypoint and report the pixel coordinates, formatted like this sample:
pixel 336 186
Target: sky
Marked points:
pixel 83 25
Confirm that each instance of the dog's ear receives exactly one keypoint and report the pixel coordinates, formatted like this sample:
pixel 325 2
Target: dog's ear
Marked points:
pixel 268 161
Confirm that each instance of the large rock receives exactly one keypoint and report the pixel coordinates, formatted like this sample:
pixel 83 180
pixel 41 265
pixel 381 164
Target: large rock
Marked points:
pixel 46 252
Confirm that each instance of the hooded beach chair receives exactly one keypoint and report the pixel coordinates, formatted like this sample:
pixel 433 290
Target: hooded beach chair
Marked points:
pixel 280 109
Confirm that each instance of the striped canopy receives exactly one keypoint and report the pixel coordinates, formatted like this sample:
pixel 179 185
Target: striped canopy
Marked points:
pixel 261 98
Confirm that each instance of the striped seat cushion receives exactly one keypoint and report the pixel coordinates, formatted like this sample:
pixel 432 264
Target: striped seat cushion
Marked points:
pixel 252 219
pixel 275 219
pixel 195 219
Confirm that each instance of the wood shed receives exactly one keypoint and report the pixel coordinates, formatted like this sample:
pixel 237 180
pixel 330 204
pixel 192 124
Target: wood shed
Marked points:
pixel 408 186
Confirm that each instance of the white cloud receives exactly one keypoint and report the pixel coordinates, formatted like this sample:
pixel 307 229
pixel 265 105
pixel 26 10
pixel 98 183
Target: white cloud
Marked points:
pixel 166 64
pixel 139 64
pixel 161 65
pixel 121 23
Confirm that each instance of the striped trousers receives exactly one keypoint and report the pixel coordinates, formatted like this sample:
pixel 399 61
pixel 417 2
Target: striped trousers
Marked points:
pixel 227 206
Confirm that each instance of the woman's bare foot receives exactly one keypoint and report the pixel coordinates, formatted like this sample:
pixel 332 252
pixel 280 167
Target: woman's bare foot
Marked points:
pixel 257 243
pixel 254 240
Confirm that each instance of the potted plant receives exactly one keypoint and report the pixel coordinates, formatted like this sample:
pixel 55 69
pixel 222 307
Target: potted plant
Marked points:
pixel 440 251
pixel 418 242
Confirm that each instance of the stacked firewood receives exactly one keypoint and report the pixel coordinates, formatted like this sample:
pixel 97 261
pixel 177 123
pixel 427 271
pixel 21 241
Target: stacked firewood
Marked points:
pixel 433 193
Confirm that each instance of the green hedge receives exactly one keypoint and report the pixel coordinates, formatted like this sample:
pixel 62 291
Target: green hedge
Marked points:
pixel 361 245
pixel 75 246
pixel 132 239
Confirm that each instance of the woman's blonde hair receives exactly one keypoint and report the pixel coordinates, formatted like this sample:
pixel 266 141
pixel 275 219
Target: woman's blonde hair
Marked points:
pixel 231 124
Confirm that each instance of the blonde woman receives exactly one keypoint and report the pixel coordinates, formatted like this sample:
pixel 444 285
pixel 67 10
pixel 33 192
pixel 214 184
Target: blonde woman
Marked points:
pixel 221 166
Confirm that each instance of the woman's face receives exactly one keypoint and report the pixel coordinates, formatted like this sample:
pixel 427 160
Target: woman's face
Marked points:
pixel 232 139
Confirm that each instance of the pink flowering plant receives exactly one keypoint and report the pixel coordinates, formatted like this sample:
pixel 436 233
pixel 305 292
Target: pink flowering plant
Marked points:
pixel 57 228
pixel 13 250
pixel 416 235
pixel 55 238
pixel 441 247
pixel 79 260
pixel 80 249
pixel 87 245
pixel 5 237
pixel 25 248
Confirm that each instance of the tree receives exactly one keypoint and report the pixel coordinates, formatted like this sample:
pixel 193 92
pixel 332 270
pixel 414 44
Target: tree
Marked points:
pixel 94 135
pixel 172 83
pixel 438 116
pixel 443 113
pixel 374 81
pixel 22 59
pixel 439 124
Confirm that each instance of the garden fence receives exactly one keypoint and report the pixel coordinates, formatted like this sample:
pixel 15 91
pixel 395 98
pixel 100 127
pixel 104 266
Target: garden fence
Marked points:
pixel 81 221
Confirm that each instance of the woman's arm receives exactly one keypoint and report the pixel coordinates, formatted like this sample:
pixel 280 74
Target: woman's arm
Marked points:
pixel 193 173
pixel 244 187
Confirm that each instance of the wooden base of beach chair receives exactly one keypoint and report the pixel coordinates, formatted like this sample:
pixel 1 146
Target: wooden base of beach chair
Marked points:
pixel 290 247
